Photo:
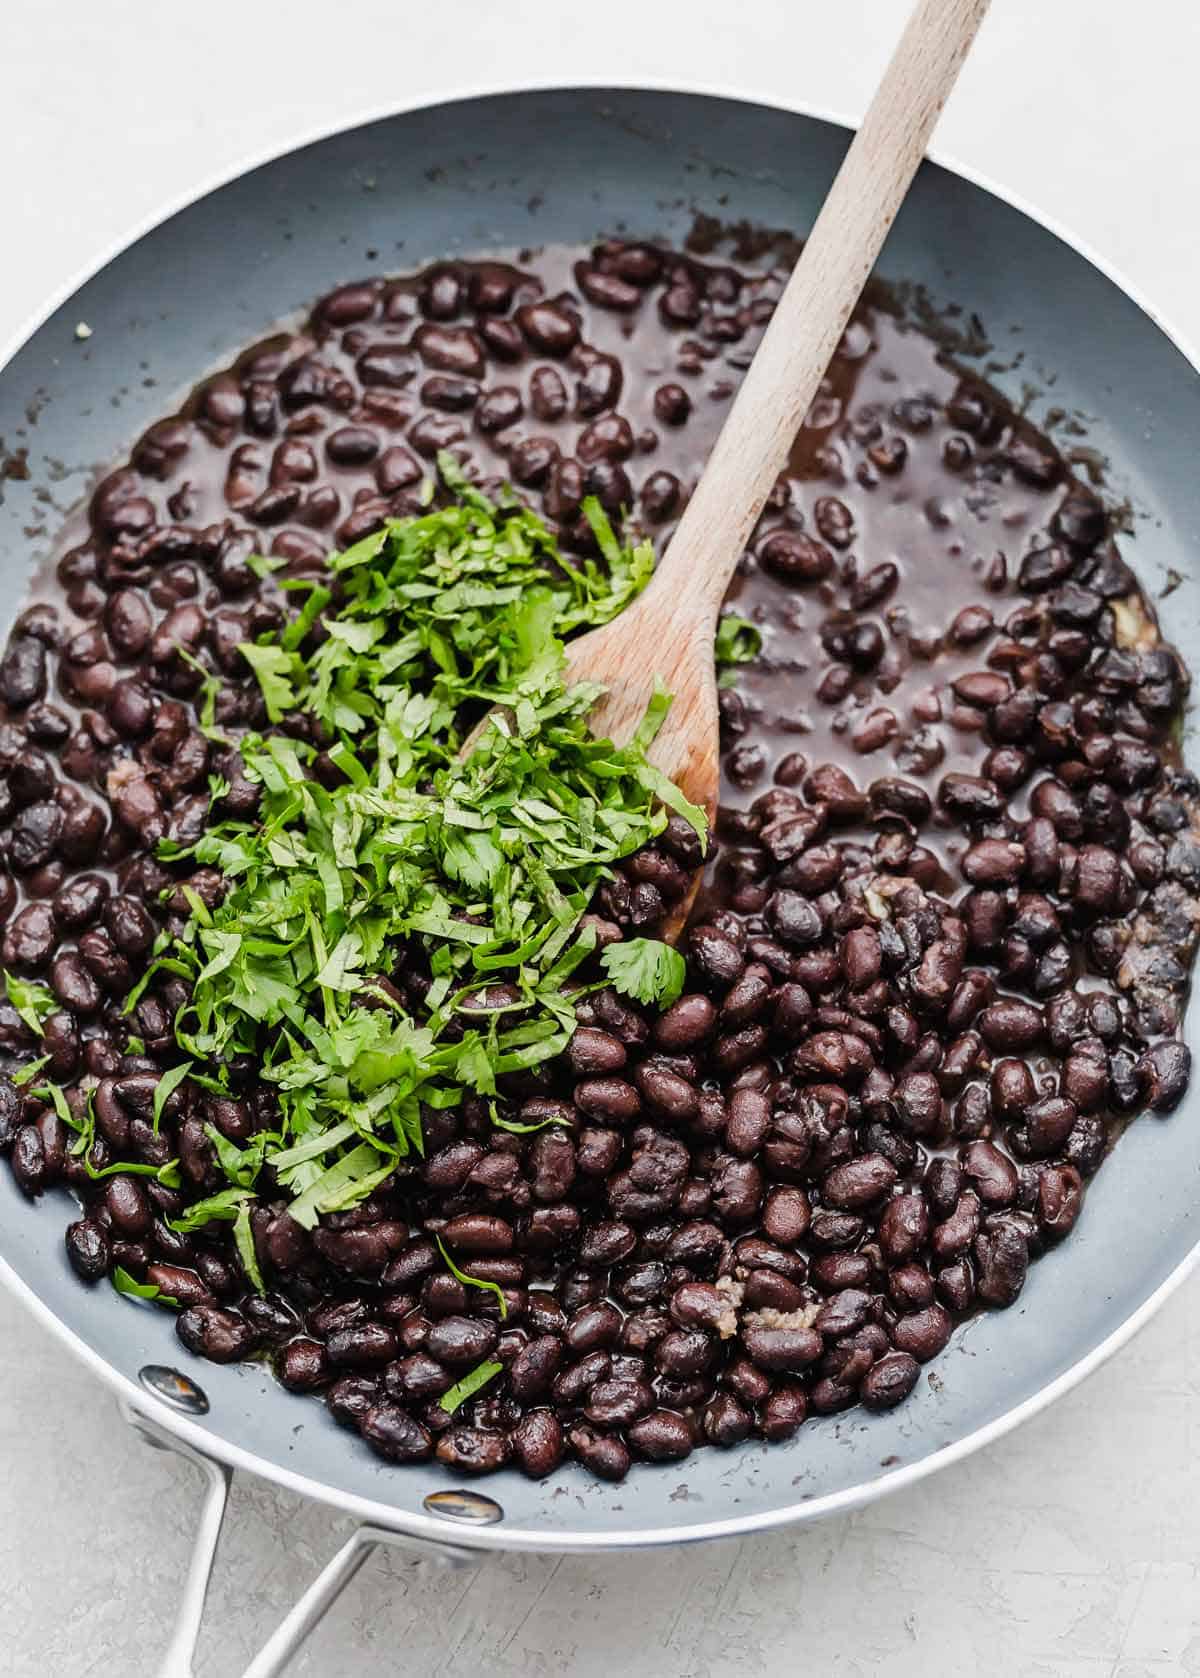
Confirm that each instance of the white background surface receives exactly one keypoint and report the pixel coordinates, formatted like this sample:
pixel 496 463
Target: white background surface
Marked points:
pixel 1069 1550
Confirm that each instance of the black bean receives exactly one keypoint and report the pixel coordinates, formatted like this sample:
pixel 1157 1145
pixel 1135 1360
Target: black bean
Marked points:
pixel 479 1232
pixel 349 1398
pixel 1059 1200
pixel 605 1455
pixel 365 1345
pixel 303 1365
pixel 607 1242
pixel 534 1367
pixel 992 1174
pixel 666 1091
pixel 993 862
pixel 903 1227
pixel 859 1182
pixel 611 1100
pixel 686 1023
pixel 795 558
pixel 889 1381
pixel 919 1104
pixel 362 1251
pixel 1010 1024
pixel 29 939
pixel 616 1403
pixel 548 327
pixel 213 1331
pixel 781 1349
pixel 1001 1262
pixel 596 1325
pixel 450 349
pixel 783 1411
pixel 180 1283
pixel 923 1334
pixel 539 1442
pixel 717 957
pixel 89 1249
pixel 23 672
pixel 684 1352
pixel 910 1287
pixel 726 1422
pixel 1165 1070
pixel 127 1206
pixel 417 1377
pixel 352 445
pixel 1047 1125
pixel 661 1436
pixel 391 1432
pixel 845 1312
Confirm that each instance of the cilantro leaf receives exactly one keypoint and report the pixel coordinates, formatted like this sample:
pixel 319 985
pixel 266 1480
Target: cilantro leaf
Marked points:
pixel 738 641
pixel 646 970
pixel 129 1285
pixel 29 1071
pixel 32 1001
pixel 470 1384
pixel 217 1208
pixel 244 1241
pixel 169 1082
pixel 262 564
pixel 473 1281
pixel 272 666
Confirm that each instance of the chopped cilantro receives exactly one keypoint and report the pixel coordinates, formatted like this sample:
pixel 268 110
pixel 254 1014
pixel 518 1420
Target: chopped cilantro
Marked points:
pixel 222 1208
pixel 164 1088
pixel 32 1001
pixel 519 1129
pixel 57 1099
pixel 470 1384
pixel 738 641
pixel 474 1281
pixel 271 665
pixel 645 969
pixel 27 1073
pixel 386 887
pixel 244 1241
pixel 133 1289
pixel 262 564
pixel 210 687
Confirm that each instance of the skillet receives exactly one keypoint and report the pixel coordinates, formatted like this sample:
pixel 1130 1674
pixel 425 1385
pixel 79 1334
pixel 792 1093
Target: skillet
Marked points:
pixel 565 165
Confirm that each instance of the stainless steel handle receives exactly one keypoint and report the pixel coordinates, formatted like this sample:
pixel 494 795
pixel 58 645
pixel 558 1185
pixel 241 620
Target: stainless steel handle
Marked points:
pixel 180 1652
pixel 179 1658
pixel 329 1584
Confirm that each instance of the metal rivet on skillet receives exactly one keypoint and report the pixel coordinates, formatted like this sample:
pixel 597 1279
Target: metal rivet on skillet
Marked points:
pixel 465 1506
pixel 174 1388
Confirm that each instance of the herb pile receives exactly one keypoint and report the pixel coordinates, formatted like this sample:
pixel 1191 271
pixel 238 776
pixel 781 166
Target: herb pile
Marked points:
pixel 382 852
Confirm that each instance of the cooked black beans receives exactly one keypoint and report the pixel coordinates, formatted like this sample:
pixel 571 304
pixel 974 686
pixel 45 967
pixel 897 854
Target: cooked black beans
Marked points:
pixel 881 1091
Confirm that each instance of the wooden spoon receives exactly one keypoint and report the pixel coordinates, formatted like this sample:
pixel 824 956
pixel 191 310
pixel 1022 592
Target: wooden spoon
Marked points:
pixel 668 632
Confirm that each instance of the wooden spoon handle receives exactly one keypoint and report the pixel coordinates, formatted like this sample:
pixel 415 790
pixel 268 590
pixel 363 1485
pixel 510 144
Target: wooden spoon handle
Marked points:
pixel 812 312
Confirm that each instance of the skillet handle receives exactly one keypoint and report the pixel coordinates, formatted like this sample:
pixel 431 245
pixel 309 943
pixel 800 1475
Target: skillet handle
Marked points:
pixel 329 1584
pixel 309 1610
pixel 180 1652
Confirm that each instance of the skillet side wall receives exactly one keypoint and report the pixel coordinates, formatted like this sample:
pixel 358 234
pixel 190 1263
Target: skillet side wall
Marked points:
pixel 566 165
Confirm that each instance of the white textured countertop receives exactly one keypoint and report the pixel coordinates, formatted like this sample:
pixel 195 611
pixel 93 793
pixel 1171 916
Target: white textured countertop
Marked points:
pixel 1070 1550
